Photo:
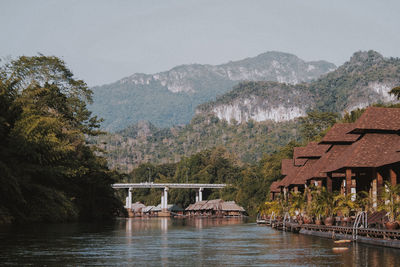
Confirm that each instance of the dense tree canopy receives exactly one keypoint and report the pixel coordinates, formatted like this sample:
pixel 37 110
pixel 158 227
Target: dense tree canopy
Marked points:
pixel 48 172
pixel 396 92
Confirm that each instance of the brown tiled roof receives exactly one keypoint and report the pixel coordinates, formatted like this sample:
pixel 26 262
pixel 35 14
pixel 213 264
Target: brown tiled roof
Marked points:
pixel 325 161
pixel 339 133
pixel 298 162
pixel 312 150
pixel 291 177
pixel 285 181
pixel 274 187
pixel 372 150
pixel 378 119
pixel 287 165
pixel 298 151
pixel 304 172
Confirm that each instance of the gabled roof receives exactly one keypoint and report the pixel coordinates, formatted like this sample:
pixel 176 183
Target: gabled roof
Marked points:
pixel 325 161
pixel 298 162
pixel 339 133
pixel 289 179
pixel 312 150
pixel 372 150
pixel 231 206
pixel 375 119
pixel 274 187
pixel 137 206
pixel 287 165
pixel 148 209
pixel 303 173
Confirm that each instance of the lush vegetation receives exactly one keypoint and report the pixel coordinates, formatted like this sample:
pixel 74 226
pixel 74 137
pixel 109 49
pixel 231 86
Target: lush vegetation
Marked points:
pixel 249 183
pixel 144 142
pixel 325 205
pixel 47 171
pixel 352 84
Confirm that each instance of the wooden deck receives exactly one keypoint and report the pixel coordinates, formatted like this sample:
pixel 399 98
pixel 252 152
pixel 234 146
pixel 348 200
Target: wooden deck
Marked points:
pixel 380 237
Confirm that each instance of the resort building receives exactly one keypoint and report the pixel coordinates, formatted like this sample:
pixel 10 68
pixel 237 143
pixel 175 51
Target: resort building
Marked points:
pixel 352 157
pixel 215 208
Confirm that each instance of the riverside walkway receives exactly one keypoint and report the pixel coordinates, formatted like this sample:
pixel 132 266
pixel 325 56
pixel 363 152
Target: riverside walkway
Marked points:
pixel 372 236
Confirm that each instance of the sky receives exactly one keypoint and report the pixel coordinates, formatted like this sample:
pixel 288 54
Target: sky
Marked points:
pixel 104 41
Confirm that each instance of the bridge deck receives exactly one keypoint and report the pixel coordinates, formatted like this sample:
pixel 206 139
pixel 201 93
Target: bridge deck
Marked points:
pixel 169 185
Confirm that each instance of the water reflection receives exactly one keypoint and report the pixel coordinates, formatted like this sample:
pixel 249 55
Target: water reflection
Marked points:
pixel 164 241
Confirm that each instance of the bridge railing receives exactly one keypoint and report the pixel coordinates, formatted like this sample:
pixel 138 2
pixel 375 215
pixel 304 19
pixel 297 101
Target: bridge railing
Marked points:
pixel 169 185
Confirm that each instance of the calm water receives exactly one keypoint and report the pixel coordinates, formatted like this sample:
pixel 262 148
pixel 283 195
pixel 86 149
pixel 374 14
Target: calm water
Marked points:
pixel 155 242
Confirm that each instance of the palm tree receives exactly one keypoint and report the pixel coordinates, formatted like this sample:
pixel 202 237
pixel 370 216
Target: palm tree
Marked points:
pixel 322 203
pixel 389 200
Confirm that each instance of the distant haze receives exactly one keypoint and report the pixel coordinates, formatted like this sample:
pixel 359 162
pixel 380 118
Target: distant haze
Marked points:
pixel 103 41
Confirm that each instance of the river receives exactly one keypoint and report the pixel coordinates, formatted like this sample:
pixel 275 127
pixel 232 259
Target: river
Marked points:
pixel 178 242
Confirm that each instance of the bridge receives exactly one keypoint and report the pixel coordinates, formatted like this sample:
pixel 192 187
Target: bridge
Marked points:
pixel 166 186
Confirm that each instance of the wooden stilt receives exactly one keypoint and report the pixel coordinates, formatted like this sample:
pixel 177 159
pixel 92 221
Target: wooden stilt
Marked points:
pixel 393 177
pixel 348 181
pixel 329 182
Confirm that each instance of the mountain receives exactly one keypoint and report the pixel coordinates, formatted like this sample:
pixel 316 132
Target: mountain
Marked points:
pixel 363 80
pixel 171 97
pixel 256 117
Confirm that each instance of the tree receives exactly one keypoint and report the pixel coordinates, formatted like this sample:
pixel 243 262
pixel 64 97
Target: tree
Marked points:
pixel 44 157
pixel 315 124
pixel 396 92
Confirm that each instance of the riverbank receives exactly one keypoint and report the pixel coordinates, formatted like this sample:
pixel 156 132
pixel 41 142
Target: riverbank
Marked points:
pixel 371 236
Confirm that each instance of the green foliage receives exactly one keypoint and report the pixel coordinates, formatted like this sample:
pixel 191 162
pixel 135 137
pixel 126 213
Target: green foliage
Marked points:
pixel 344 204
pixel 323 202
pixel 390 200
pixel 144 142
pixel 396 92
pixel 48 173
pixel 353 115
pixel 315 125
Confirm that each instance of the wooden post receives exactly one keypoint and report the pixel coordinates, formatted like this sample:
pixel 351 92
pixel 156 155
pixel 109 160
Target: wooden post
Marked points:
pixel 308 192
pixel 348 181
pixel 393 177
pixel 374 196
pixel 296 189
pixel 379 183
pixel 329 182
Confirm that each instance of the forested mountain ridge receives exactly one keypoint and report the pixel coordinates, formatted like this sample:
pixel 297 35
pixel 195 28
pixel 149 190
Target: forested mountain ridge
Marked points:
pixel 253 129
pixel 144 142
pixel 365 79
pixel 170 98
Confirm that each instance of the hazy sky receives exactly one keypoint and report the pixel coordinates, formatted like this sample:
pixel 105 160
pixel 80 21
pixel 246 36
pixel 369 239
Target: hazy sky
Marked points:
pixel 103 41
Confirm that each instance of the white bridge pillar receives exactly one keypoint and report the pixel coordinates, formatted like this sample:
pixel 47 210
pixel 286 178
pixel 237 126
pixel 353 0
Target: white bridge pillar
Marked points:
pixel 200 194
pixel 128 200
pixel 165 207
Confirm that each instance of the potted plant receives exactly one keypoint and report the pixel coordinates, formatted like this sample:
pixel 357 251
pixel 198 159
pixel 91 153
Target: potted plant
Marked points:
pixel 317 209
pixel 323 203
pixel 390 204
pixel 297 205
pixel 364 202
pixel 344 204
